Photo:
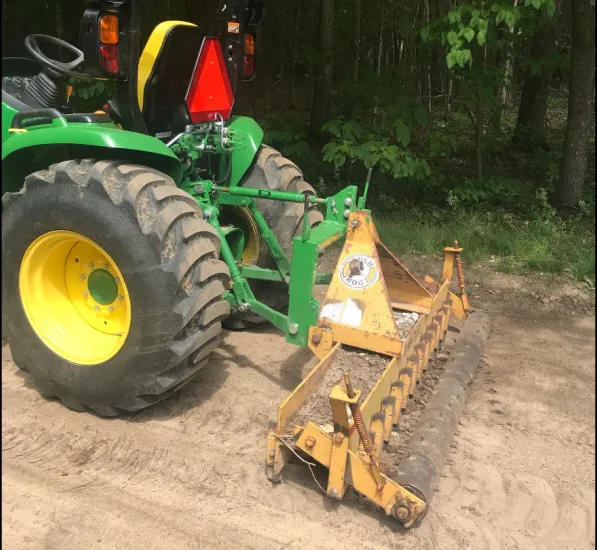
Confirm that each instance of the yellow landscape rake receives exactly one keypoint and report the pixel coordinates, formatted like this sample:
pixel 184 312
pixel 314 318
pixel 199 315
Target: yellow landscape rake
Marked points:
pixel 378 328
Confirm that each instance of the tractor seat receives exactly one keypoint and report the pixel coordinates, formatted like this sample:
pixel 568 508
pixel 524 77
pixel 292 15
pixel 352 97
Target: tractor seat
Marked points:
pixel 165 70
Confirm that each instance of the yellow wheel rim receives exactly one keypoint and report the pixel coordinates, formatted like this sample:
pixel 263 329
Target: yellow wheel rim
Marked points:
pixel 75 297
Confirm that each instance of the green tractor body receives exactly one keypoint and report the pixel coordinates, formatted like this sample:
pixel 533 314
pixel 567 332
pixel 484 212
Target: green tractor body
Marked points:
pixel 171 116
pixel 132 234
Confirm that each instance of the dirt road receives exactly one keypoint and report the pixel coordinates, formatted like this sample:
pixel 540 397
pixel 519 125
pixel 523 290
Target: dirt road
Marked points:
pixel 188 473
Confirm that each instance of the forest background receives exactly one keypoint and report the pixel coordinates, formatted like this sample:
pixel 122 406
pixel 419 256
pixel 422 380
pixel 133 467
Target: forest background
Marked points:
pixel 477 119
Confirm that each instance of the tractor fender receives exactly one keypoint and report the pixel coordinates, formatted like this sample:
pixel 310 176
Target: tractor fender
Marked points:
pixel 25 152
pixel 246 136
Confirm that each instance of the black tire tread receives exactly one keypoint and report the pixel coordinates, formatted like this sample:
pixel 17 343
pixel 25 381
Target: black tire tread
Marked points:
pixel 274 171
pixel 189 249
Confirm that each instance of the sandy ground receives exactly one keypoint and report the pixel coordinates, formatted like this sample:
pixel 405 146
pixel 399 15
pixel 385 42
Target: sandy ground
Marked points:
pixel 189 472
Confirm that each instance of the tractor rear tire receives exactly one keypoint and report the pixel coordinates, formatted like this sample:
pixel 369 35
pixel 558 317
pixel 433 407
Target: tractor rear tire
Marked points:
pixel 271 170
pixel 157 262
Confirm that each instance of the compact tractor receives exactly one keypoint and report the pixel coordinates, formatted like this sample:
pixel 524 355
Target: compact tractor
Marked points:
pixel 132 234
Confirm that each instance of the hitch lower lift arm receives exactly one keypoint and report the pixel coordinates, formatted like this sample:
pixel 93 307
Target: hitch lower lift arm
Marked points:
pixel 300 274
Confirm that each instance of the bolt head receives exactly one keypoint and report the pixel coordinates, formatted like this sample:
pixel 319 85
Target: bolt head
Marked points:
pixel 316 338
pixel 339 438
pixel 401 512
pixel 346 213
pixel 85 294
pixel 90 265
pixel 111 309
pixel 120 297
pixel 347 201
pixel 117 281
pixel 333 493
pixel 293 328
pixel 272 453
pixel 310 442
pixel 96 308
pixel 106 266
pixel 199 188
pixel 83 277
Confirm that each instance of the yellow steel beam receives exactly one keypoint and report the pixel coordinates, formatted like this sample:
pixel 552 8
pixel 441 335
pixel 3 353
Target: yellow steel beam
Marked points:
pixel 393 498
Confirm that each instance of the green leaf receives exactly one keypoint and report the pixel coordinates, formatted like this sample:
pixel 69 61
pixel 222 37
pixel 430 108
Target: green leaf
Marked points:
pixel 500 16
pixel 483 25
pixel 452 37
pixel 536 4
pixel 475 13
pixel 481 38
pixel 460 58
pixel 402 132
pixel 425 33
pixel 496 7
pixel 468 33
pixel 450 59
pixel 510 20
pixel 474 22
pixel 340 159
pixel 454 16
pixel 551 7
pixel 334 127
pixel 468 57
pixel 372 160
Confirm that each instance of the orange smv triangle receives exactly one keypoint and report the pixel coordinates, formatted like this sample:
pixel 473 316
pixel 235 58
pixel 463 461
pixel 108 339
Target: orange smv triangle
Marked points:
pixel 209 92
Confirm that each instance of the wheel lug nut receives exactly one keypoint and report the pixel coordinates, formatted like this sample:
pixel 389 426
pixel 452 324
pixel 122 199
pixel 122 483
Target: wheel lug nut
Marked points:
pixel 105 266
pixel 117 281
pixel 110 309
pixel 120 297
pixel 83 277
pixel 90 265
pixel 85 294
pixel 96 308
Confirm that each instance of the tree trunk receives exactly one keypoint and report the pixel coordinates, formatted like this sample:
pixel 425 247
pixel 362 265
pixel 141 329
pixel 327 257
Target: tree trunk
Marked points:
pixel 356 41
pixel 349 105
pixel 580 106
pixel 325 70
pixel 380 41
pixel 299 6
pixel 530 125
pixel 479 137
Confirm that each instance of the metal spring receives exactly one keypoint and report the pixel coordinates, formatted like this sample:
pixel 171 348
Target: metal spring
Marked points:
pixel 459 270
pixel 357 416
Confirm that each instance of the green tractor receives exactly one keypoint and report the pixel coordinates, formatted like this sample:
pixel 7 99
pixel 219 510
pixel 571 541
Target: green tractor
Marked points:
pixel 114 217
pixel 132 234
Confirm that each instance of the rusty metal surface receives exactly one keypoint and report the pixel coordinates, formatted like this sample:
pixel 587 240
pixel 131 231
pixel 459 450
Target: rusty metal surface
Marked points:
pixel 371 304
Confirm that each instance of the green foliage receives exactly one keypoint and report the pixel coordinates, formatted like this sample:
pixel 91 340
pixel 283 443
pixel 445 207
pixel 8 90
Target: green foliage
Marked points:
pixel 498 238
pixel 281 134
pixel 91 96
pixel 375 147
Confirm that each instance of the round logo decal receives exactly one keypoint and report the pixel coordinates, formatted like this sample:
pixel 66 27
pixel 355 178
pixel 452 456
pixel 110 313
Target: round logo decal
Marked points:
pixel 358 271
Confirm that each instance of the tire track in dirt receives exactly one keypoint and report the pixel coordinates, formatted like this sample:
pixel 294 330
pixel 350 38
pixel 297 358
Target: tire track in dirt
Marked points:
pixel 188 473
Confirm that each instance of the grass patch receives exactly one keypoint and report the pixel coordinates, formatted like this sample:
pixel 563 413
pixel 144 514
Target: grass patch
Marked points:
pixel 549 246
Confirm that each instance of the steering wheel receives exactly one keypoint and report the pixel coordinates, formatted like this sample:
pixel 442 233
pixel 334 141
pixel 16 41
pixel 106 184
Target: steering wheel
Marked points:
pixel 55 67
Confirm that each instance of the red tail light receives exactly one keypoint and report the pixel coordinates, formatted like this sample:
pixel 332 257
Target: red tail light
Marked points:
pixel 210 91
pixel 110 61
pixel 249 66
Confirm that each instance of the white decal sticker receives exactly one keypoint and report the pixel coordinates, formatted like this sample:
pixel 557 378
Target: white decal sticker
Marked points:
pixel 358 271
pixel 332 311
pixel 346 313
